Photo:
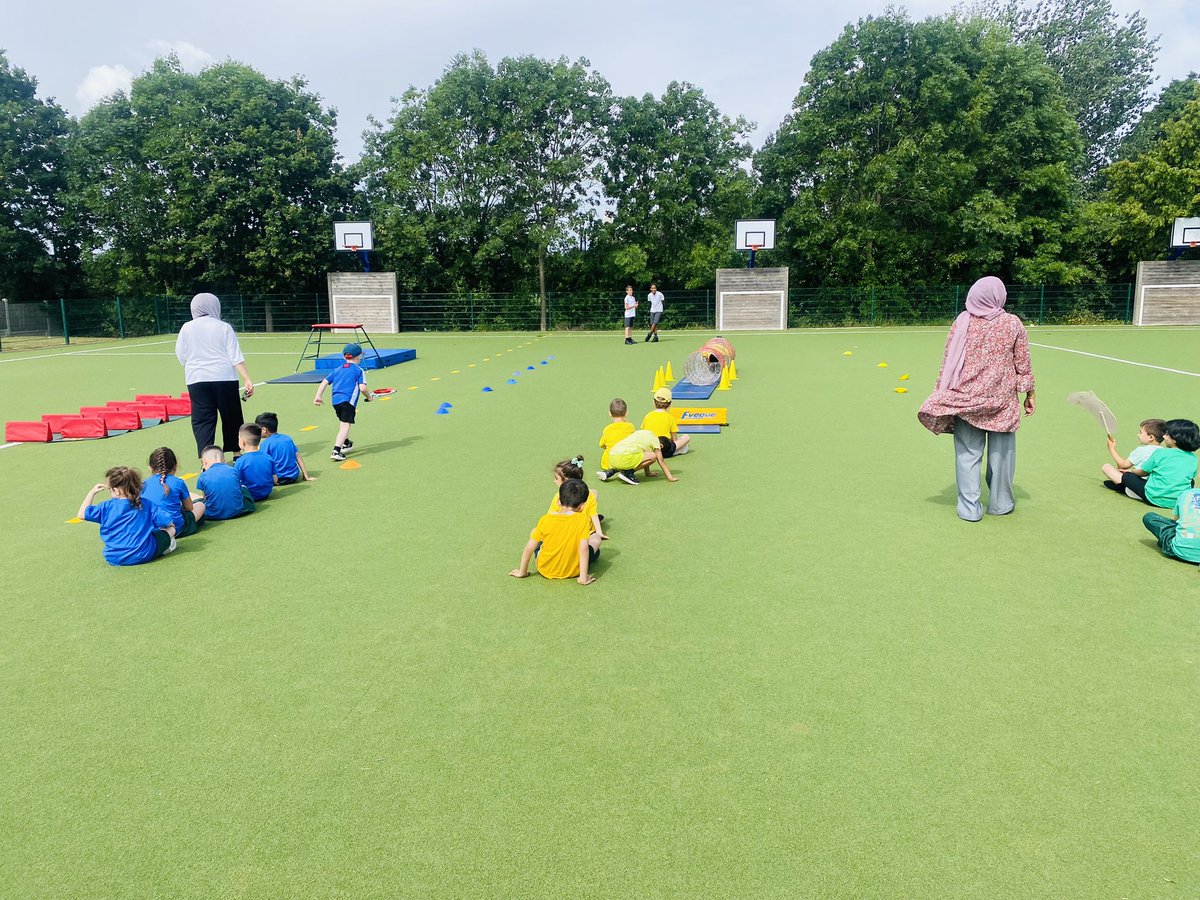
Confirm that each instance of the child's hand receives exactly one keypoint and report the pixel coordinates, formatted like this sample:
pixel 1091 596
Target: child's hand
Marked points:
pixel 586 580
pixel 316 401
pixel 604 537
pixel 672 478
pixel 1112 441
pixel 517 573
pixel 309 478
pixel 99 487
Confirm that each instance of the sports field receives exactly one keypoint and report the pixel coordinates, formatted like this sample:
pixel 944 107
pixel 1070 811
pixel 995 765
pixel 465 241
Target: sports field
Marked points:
pixel 798 673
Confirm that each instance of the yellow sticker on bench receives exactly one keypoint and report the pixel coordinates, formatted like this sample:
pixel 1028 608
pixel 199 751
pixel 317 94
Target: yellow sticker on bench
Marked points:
pixel 701 415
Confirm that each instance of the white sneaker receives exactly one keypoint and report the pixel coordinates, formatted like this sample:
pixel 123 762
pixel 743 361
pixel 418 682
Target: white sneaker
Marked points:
pixel 679 451
pixel 602 475
pixel 171 546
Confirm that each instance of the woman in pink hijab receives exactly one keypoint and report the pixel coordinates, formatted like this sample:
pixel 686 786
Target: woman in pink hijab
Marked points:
pixel 985 368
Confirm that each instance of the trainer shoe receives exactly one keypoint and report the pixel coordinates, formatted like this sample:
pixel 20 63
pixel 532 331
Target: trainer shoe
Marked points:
pixel 649 334
pixel 171 546
pixel 603 475
pixel 679 451
pixel 629 340
pixel 337 455
pixel 346 446
pixel 654 340
pixel 628 477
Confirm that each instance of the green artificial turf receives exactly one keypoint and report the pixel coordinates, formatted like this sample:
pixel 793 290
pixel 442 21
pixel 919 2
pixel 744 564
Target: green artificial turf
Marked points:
pixel 798 673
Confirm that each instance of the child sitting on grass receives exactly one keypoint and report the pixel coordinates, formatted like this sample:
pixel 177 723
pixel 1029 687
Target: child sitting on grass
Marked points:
pixel 1178 536
pixel 573 468
pixel 224 495
pixel 289 464
pixel 133 532
pixel 560 540
pixel 661 422
pixel 254 468
pixel 618 429
pixel 1168 471
pixel 638 451
pixel 171 493
pixel 1150 434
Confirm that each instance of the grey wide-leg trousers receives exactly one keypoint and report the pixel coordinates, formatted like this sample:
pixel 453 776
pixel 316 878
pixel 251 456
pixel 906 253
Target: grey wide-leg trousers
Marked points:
pixel 969 444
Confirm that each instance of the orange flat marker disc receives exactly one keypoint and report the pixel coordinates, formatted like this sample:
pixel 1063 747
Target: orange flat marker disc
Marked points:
pixel 350 464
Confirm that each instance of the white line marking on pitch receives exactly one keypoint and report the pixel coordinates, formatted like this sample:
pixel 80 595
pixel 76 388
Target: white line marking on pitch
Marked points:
pixel 81 352
pixel 1128 362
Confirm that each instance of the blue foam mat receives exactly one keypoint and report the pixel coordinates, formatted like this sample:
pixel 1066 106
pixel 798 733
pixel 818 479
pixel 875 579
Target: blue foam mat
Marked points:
pixel 369 360
pixel 300 378
pixel 699 429
pixel 685 390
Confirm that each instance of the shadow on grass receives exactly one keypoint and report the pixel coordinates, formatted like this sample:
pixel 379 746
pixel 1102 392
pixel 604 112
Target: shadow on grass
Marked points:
pixel 949 496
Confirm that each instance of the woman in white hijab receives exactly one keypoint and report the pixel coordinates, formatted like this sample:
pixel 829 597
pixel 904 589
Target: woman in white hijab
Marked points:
pixel 212 360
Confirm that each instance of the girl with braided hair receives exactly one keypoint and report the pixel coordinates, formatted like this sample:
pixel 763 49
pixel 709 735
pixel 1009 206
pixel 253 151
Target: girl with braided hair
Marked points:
pixel 168 491
pixel 573 468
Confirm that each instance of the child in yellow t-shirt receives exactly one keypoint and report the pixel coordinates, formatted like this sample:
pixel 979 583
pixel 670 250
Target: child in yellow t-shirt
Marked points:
pixel 560 540
pixel 662 423
pixel 573 468
pixel 638 451
pixel 619 429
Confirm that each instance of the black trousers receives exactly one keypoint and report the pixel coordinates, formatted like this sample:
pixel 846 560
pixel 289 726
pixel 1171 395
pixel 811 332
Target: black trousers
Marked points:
pixel 1135 483
pixel 208 399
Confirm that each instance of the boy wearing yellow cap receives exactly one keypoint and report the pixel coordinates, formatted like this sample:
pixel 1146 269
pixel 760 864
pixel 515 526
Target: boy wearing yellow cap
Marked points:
pixel 662 423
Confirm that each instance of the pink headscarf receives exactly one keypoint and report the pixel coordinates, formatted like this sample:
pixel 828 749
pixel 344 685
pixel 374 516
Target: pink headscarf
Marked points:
pixel 986 301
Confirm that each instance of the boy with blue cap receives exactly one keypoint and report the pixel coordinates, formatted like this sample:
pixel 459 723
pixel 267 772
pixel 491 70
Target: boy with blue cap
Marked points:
pixel 349 384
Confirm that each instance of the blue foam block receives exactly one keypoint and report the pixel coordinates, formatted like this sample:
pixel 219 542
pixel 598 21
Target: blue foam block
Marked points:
pixel 369 360
pixel 699 429
pixel 685 390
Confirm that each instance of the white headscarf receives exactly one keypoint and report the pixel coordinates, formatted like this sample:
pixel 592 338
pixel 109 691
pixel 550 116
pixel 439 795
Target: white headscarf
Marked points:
pixel 206 305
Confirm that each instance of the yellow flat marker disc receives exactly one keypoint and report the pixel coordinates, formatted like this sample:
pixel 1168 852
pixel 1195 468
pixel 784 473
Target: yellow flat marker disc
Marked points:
pixel 455 371
pixel 385 398
pixel 847 353
pixel 904 377
pixel 413 388
pixel 350 464
pixel 901 390
pixel 487 359
pixel 309 428
pixel 436 378
pixel 189 475
pixel 74 520
pixel 470 365
pixel 881 365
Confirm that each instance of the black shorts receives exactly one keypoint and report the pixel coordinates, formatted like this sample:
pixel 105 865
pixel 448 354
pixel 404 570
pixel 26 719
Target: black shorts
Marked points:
pixel 627 321
pixel 668 448
pixel 345 412
pixel 287 480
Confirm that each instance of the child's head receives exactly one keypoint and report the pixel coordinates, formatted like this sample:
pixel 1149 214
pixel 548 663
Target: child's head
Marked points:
pixel 629 288
pixel 662 398
pixel 268 422
pixel 249 437
pixel 1183 434
pixel 163 463
pixel 653 288
pixel 617 409
pixel 1151 431
pixel 568 469
pixel 572 494
pixel 126 482
pixel 352 351
pixel 211 455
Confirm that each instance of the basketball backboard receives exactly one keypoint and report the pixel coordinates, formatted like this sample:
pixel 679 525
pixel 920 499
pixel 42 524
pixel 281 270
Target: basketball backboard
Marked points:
pixel 1185 233
pixel 352 236
pixel 754 234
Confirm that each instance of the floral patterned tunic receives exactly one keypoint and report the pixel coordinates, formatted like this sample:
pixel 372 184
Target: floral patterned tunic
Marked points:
pixel 995 371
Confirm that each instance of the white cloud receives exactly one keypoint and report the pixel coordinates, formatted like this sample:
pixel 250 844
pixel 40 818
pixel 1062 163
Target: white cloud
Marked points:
pixel 100 82
pixel 191 57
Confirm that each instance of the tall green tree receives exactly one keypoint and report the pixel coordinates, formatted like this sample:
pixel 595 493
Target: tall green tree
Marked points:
pixel 1106 64
pixel 924 152
pixel 36 251
pixel 224 179
pixel 676 181
pixel 1143 197
pixel 1170 104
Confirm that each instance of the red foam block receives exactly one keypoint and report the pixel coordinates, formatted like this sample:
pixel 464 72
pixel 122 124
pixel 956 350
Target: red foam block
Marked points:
pixel 85 427
pixel 55 420
pixel 123 419
pixel 179 406
pixel 152 411
pixel 152 398
pixel 28 431
pixel 93 412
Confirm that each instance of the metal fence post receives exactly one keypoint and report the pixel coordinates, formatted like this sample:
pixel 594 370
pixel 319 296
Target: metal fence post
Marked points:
pixel 242 310
pixel 1042 304
pixel 62 304
pixel 120 320
pixel 872 304
pixel 1128 304
pixel 708 313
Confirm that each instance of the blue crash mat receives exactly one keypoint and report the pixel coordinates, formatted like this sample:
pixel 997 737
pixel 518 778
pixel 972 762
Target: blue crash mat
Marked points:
pixel 369 360
pixel 685 390
pixel 699 429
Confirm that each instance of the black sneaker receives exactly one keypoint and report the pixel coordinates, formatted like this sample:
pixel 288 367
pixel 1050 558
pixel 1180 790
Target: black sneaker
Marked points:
pixel 629 340
pixel 627 476
pixel 654 339
pixel 348 444
pixel 649 334
pixel 337 455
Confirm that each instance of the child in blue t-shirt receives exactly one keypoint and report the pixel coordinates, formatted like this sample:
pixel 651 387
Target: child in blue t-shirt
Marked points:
pixel 224 495
pixel 133 532
pixel 289 464
pixel 254 467
pixel 348 382
pixel 171 493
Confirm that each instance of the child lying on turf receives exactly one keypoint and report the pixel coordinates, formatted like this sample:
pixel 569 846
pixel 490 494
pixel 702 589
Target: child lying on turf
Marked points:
pixel 1169 470
pixel 560 540
pixel 1179 535
pixel 1150 435
pixel 133 532
pixel 573 468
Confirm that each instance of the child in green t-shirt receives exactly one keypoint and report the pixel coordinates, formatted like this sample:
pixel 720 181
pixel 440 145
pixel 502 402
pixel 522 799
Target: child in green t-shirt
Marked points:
pixel 1179 535
pixel 1168 471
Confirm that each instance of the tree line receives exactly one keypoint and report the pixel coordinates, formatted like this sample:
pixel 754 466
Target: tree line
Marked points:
pixel 998 139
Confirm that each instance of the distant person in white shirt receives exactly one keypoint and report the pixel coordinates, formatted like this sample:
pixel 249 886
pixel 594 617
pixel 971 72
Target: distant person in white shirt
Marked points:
pixel 212 360
pixel 656 310
pixel 630 310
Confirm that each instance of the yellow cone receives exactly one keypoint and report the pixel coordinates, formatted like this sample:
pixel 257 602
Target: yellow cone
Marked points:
pixel 732 370
pixel 659 379
pixel 881 365
pixel 724 385
pixel 670 374
pixel 350 464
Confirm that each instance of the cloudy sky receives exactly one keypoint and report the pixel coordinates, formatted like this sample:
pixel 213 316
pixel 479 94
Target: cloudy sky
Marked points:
pixel 750 59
